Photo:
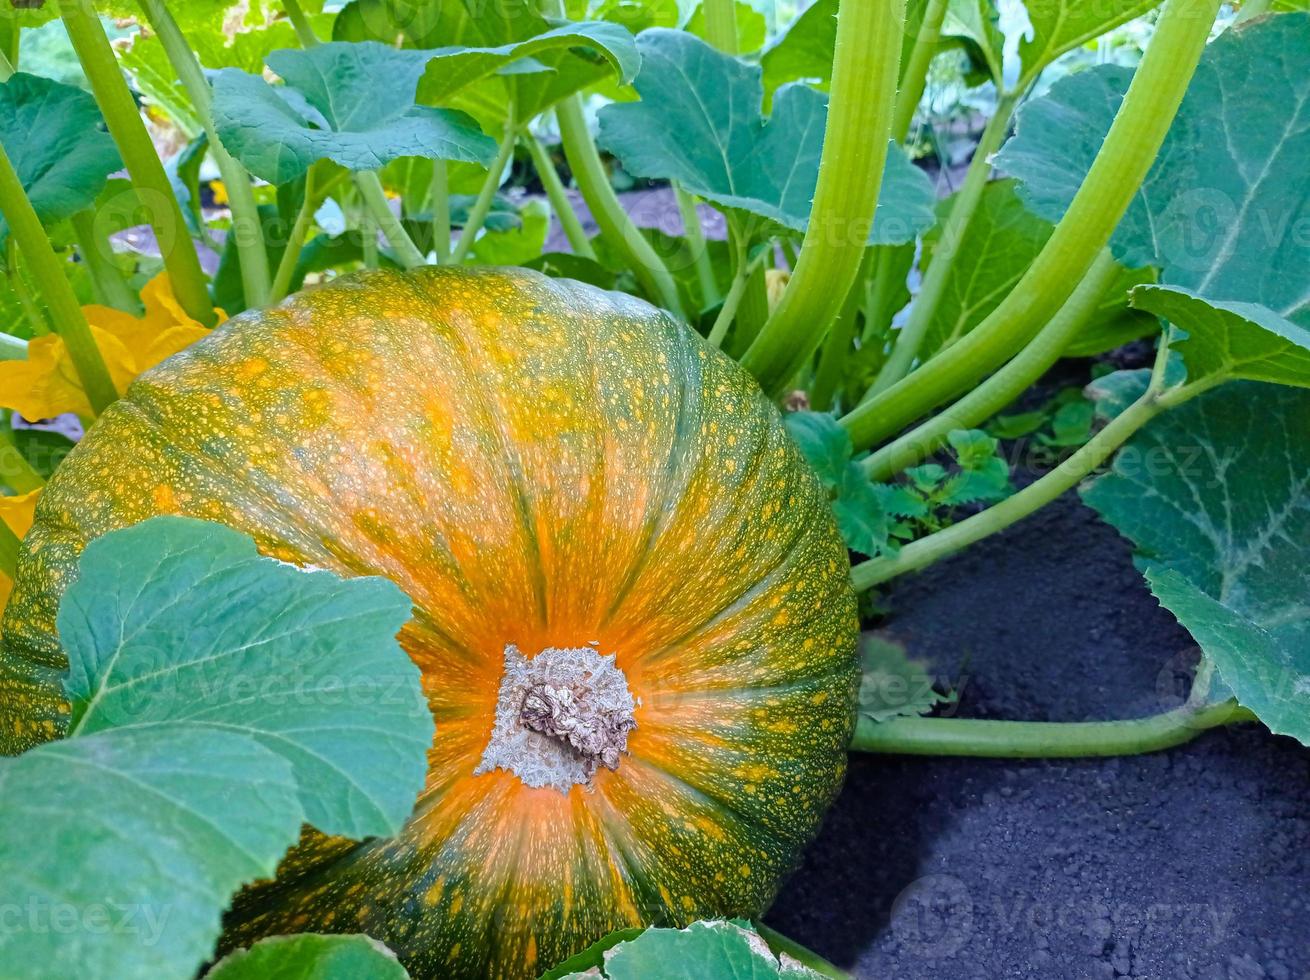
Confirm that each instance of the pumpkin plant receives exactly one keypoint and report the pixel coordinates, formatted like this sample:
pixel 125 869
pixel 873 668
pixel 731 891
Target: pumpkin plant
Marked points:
pixel 633 492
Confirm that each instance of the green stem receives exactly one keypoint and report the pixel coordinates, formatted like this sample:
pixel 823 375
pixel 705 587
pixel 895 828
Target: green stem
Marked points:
pixel 246 226
pixel 1005 385
pixel 988 739
pixel 1250 9
pixel 860 110
pixel 938 276
pixel 10 546
pixel 12 348
pixel 487 192
pixel 368 239
pixel 18 282
pixel 740 278
pixel 374 199
pixel 32 241
pixel 286 267
pixel 780 944
pixel 1126 155
pixel 615 224
pixel 559 197
pixel 300 24
pixel 105 76
pixel 836 351
pixel 6 67
pixel 1067 475
pixel 695 235
pixel 915 74
pixel 721 24
pixel 439 199
pixel 107 279
pixel 15 470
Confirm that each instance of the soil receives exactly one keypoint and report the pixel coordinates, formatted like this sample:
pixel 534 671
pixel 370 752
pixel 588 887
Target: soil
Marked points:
pixel 1192 863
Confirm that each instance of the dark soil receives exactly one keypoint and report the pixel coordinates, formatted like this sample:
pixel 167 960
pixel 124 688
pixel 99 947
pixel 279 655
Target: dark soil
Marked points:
pixel 1190 863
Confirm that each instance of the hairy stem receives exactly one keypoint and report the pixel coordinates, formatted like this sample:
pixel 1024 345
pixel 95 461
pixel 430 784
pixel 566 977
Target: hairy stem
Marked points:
pixel 938 277
pixel 988 739
pixel 1125 157
pixel 246 225
pixel 300 23
pixel 614 223
pixel 111 93
pixel 376 204
pixel 36 320
pixel 487 192
pixel 915 72
pixel 559 198
pixel 31 239
pixel 864 74
pixel 1005 385
pixel 111 288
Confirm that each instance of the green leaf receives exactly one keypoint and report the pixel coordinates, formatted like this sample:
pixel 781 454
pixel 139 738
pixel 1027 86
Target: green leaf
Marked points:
pixel 864 523
pixel 1239 340
pixel 700 122
pixel 56 140
pixel 353 103
pixel 1216 496
pixel 311 957
pixel 891 684
pixel 1000 242
pixel 1220 210
pixel 825 445
pixel 715 950
pixel 1062 25
pixel 515 246
pixel 44 449
pixel 592 956
pixel 751 26
pixel 181 621
pixel 976 25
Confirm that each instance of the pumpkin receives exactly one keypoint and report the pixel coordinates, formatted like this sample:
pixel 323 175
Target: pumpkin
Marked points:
pixel 632 608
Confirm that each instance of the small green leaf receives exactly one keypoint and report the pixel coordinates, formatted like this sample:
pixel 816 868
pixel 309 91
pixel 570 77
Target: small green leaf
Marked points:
pixel 353 103
pixel 1061 25
pixel 723 148
pixel 863 521
pixel 715 950
pixel 1239 340
pixel 891 684
pixel 56 140
pixel 515 246
pixel 310 957
pixel 1216 496
pixel 825 445
pixel 976 25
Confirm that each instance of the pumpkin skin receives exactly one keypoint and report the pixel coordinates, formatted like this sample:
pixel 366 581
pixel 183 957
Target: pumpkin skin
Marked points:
pixel 536 462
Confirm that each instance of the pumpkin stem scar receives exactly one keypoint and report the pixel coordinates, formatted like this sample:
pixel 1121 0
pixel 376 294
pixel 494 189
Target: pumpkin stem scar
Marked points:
pixel 560 716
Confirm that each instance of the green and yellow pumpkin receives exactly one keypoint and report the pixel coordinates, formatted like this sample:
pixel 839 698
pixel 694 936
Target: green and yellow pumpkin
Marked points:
pixel 555 475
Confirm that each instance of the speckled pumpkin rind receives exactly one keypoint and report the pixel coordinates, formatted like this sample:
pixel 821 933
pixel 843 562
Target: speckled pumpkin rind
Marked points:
pixel 534 462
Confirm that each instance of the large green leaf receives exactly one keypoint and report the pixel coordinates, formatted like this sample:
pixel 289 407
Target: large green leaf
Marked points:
pixel 716 950
pixel 1238 340
pixel 700 122
pixel 1223 210
pixel 1216 496
pixel 1001 241
pixel 1061 25
pixel 351 102
pixel 56 140
pixel 219 701
pixel 310 957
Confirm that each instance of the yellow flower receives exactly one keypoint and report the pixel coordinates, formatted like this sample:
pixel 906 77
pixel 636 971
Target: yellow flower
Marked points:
pixel 220 191
pixel 16 512
pixel 46 384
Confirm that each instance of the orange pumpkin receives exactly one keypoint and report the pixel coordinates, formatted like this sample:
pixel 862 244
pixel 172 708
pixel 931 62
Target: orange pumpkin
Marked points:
pixel 541 466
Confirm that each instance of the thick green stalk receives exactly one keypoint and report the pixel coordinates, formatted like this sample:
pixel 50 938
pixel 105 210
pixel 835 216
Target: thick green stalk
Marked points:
pixel 987 739
pixel 102 71
pixel 1005 385
pixel 780 944
pixel 487 192
pixel 1036 495
pixel 32 241
pixel 615 224
pixel 721 24
pixel 286 266
pixel 1125 157
pixel 246 225
pixel 107 279
pixel 860 111
pixel 559 197
pixel 695 235
pixel 915 72
pixel 300 24
pixel 935 281
pixel 374 199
